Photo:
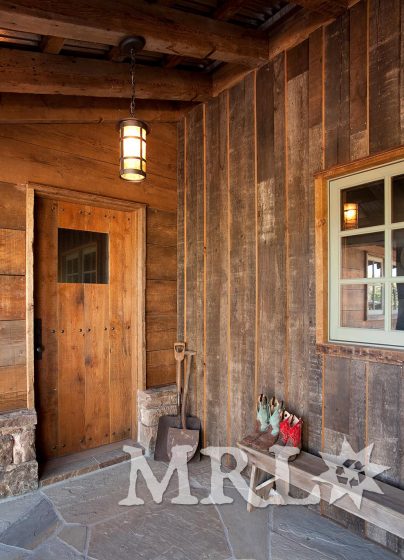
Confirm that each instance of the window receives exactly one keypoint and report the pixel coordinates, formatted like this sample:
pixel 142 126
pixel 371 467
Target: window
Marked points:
pixel 366 256
pixel 83 256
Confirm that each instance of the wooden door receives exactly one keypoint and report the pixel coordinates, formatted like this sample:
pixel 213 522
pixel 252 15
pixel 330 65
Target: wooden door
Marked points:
pixel 84 274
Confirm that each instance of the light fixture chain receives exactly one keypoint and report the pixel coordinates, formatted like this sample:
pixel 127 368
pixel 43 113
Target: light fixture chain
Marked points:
pixel 133 81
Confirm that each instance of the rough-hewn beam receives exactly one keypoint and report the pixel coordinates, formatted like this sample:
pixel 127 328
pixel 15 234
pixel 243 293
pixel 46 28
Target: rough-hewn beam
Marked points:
pixel 52 109
pixel 165 30
pixel 26 72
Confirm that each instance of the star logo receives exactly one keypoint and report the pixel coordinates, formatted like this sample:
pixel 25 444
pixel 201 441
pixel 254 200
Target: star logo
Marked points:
pixel 351 473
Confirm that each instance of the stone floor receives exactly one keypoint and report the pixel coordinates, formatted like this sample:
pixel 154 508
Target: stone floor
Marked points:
pixel 61 468
pixel 81 518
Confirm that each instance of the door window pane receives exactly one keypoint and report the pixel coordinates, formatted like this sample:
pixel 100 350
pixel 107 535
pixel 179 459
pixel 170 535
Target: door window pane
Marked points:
pixel 397 307
pixel 82 256
pixel 362 206
pixel 397 198
pixel 362 306
pixel 362 256
pixel 398 252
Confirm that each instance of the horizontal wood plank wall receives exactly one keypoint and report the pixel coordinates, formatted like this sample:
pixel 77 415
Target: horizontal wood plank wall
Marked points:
pixel 13 376
pixel 161 296
pixel 85 158
pixel 333 99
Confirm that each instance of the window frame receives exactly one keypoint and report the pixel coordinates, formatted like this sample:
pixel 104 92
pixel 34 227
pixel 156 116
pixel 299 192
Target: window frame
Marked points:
pixel 360 335
pixel 346 346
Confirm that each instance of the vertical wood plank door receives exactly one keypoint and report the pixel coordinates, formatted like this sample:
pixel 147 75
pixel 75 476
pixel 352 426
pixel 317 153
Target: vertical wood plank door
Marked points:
pixel 84 270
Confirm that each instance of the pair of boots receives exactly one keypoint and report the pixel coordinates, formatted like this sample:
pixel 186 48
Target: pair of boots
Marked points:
pixel 274 425
pixel 269 416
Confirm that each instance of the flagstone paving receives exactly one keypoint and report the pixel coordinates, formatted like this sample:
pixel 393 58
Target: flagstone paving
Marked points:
pixel 81 519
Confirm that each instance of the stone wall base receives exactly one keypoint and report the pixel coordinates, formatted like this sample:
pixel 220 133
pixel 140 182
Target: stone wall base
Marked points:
pixel 152 404
pixel 18 465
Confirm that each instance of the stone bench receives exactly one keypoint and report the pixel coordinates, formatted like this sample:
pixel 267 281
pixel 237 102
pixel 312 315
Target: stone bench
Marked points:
pixel 385 510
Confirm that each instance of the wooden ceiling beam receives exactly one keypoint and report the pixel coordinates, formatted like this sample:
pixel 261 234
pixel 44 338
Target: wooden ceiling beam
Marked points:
pixel 28 72
pixel 166 30
pixel 51 44
pixel 224 11
pixel 54 109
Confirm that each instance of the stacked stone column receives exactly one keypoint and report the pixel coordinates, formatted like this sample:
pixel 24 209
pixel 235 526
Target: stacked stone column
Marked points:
pixel 18 465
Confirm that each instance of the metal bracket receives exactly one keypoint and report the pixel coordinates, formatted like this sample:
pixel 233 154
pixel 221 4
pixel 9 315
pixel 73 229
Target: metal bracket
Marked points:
pixel 135 43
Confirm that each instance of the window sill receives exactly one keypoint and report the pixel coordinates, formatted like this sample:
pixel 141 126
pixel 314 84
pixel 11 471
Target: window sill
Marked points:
pixel 356 352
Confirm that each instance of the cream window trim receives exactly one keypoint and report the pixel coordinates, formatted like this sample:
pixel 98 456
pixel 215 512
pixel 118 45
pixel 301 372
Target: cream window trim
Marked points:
pixel 336 332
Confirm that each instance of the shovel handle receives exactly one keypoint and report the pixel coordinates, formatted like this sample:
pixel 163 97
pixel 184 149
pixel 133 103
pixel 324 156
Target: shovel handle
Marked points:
pixel 189 354
pixel 179 353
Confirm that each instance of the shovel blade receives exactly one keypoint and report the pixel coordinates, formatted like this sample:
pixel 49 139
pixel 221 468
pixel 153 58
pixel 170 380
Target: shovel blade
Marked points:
pixel 179 436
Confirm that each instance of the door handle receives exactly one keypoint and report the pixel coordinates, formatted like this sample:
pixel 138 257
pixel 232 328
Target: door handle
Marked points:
pixel 38 348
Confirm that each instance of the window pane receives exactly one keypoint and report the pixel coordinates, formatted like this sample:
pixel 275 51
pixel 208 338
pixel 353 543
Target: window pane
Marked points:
pixel 362 306
pixel 397 307
pixel 398 252
pixel 398 198
pixel 362 256
pixel 82 256
pixel 362 206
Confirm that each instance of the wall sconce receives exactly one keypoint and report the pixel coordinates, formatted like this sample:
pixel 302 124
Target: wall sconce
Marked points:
pixel 350 215
pixel 132 132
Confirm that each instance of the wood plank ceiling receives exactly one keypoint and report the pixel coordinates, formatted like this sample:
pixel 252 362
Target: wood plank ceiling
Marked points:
pixel 194 48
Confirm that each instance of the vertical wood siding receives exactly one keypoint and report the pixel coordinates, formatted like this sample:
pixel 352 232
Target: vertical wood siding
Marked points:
pixel 250 311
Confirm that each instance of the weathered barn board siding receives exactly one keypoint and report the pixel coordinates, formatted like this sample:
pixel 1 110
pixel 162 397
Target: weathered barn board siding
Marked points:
pixel 337 87
pixel 298 213
pixel 194 238
pixel 313 107
pixel 85 158
pixel 181 225
pixel 242 286
pixel 358 28
pixel 384 83
pixel 217 253
pixel 271 198
pixel 316 163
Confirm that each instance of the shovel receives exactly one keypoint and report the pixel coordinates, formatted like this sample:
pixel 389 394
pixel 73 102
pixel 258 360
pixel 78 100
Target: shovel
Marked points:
pixel 160 452
pixel 189 430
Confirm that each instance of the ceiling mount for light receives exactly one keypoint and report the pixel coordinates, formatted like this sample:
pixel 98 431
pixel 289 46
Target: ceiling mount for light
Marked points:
pixel 129 44
pixel 132 132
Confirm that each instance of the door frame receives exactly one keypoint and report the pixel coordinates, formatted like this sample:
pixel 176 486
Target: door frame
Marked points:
pixel 138 210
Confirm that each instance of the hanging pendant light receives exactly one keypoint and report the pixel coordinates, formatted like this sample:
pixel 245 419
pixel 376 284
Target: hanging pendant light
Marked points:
pixel 132 132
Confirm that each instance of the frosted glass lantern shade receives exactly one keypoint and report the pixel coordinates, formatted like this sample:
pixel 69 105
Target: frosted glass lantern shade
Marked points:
pixel 132 140
pixel 350 215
